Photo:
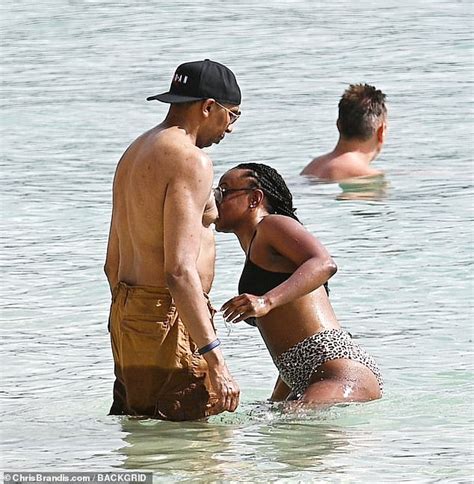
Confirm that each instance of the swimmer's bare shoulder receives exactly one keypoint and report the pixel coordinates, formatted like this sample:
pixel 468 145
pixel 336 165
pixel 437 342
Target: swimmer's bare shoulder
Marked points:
pixel 317 165
pixel 335 168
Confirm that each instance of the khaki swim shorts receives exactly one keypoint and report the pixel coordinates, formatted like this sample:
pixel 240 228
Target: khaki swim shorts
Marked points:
pixel 158 371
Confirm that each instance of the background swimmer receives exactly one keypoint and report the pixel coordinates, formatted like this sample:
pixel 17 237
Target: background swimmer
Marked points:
pixel 362 125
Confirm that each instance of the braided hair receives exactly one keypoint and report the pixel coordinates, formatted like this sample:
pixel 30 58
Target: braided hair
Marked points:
pixel 271 183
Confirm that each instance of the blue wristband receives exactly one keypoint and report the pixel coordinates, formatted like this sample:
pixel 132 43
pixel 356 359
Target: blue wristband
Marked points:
pixel 209 347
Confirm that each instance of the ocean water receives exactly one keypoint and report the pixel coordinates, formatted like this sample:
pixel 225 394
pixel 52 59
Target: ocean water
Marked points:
pixel 74 81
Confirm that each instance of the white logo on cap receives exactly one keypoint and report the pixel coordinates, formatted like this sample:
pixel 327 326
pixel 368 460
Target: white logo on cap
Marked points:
pixel 180 78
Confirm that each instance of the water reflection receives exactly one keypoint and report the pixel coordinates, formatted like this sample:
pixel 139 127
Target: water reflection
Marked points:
pixel 373 188
pixel 364 188
pixel 261 438
pixel 166 447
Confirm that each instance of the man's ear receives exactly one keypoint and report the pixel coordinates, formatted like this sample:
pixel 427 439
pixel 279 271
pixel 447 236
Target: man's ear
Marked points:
pixel 206 107
pixel 381 132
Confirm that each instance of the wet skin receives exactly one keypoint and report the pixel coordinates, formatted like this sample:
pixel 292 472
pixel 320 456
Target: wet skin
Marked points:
pixel 281 244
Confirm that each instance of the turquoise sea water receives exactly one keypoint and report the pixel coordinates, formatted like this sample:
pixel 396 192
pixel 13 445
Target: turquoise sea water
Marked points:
pixel 74 81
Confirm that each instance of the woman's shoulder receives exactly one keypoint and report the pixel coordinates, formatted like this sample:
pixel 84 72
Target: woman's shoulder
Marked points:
pixel 275 223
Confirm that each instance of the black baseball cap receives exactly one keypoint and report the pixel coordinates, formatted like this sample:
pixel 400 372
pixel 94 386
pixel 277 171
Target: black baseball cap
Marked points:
pixel 198 80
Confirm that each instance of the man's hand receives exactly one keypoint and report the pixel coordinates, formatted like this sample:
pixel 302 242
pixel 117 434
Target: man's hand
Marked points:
pixel 225 387
pixel 245 306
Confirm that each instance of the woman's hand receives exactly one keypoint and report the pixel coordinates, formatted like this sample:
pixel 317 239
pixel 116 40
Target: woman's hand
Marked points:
pixel 245 306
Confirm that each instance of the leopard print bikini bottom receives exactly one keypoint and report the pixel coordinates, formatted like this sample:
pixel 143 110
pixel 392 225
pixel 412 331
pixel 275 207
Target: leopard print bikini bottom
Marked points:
pixel 297 365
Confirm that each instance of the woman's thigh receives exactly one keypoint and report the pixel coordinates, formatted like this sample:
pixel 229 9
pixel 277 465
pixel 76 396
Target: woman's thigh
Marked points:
pixel 342 380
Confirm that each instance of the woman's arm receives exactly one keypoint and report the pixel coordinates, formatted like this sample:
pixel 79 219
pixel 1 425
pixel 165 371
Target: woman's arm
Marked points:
pixel 314 266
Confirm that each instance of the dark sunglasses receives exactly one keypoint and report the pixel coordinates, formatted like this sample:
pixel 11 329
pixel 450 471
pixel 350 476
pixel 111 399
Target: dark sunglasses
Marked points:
pixel 220 193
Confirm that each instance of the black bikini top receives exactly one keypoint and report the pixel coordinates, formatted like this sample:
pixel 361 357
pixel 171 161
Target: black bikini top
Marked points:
pixel 257 281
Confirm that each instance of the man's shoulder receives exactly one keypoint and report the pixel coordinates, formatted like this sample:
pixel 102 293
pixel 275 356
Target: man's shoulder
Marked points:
pixel 316 165
pixel 334 168
pixel 352 167
pixel 177 151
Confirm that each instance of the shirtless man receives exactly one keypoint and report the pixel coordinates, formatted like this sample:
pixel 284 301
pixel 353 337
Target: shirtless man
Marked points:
pixel 362 126
pixel 160 256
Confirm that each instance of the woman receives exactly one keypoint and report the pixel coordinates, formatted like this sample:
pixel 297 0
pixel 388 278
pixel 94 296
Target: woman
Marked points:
pixel 282 292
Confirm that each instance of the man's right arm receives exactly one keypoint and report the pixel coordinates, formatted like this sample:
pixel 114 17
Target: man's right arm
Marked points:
pixel 186 196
